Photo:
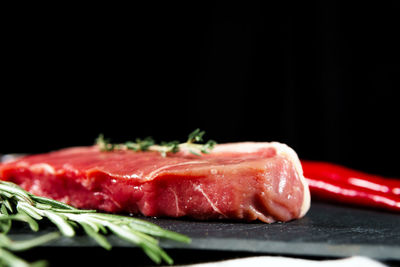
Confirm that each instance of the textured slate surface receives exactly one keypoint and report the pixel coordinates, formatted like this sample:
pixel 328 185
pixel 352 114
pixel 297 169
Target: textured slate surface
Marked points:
pixel 326 231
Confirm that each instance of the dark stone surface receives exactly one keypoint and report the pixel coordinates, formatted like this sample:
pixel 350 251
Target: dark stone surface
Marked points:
pixel 327 231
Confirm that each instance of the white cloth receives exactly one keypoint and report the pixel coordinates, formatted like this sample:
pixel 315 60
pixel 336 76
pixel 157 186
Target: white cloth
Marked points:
pixel 272 261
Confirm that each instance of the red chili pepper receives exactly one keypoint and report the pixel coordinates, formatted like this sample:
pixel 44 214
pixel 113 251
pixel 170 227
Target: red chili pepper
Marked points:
pixel 341 184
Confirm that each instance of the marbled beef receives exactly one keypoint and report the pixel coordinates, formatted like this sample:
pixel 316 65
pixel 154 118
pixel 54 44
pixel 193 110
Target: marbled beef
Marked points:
pixel 245 181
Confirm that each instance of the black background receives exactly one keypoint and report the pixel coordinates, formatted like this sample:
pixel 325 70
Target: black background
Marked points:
pixel 321 76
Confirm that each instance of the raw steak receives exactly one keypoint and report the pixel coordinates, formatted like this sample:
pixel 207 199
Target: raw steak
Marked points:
pixel 246 181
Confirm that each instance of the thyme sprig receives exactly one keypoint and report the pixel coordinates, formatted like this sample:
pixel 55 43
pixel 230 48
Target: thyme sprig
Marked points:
pixel 17 204
pixel 148 144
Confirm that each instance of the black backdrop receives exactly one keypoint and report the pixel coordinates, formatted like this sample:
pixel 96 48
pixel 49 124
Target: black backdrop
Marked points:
pixel 321 77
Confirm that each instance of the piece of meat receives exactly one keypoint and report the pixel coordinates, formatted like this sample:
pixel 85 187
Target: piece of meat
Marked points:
pixel 245 181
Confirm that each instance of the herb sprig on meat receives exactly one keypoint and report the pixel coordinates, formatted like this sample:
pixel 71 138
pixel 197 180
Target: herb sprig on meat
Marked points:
pixel 148 144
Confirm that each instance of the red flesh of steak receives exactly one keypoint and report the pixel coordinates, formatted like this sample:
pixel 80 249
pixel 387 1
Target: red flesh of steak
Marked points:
pixel 245 181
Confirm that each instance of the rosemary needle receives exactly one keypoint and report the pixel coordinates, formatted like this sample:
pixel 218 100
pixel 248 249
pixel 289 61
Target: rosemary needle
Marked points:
pixel 18 204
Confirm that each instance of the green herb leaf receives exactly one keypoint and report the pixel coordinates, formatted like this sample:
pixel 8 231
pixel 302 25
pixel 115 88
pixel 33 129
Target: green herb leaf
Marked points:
pixel 195 136
pixel 9 259
pixel 27 244
pixel 60 221
pixel 93 233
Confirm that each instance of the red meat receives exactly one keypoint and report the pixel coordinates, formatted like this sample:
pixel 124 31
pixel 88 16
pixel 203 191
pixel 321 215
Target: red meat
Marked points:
pixel 246 181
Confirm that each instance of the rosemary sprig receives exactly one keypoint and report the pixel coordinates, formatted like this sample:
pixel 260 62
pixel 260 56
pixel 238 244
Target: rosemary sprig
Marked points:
pixel 148 144
pixel 18 204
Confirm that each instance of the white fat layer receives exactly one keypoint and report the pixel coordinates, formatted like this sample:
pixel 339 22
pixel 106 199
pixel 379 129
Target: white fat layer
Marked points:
pixel 283 150
pixel 42 168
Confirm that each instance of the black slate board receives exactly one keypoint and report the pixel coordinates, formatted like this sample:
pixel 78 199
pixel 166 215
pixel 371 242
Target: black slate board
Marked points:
pixel 326 231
